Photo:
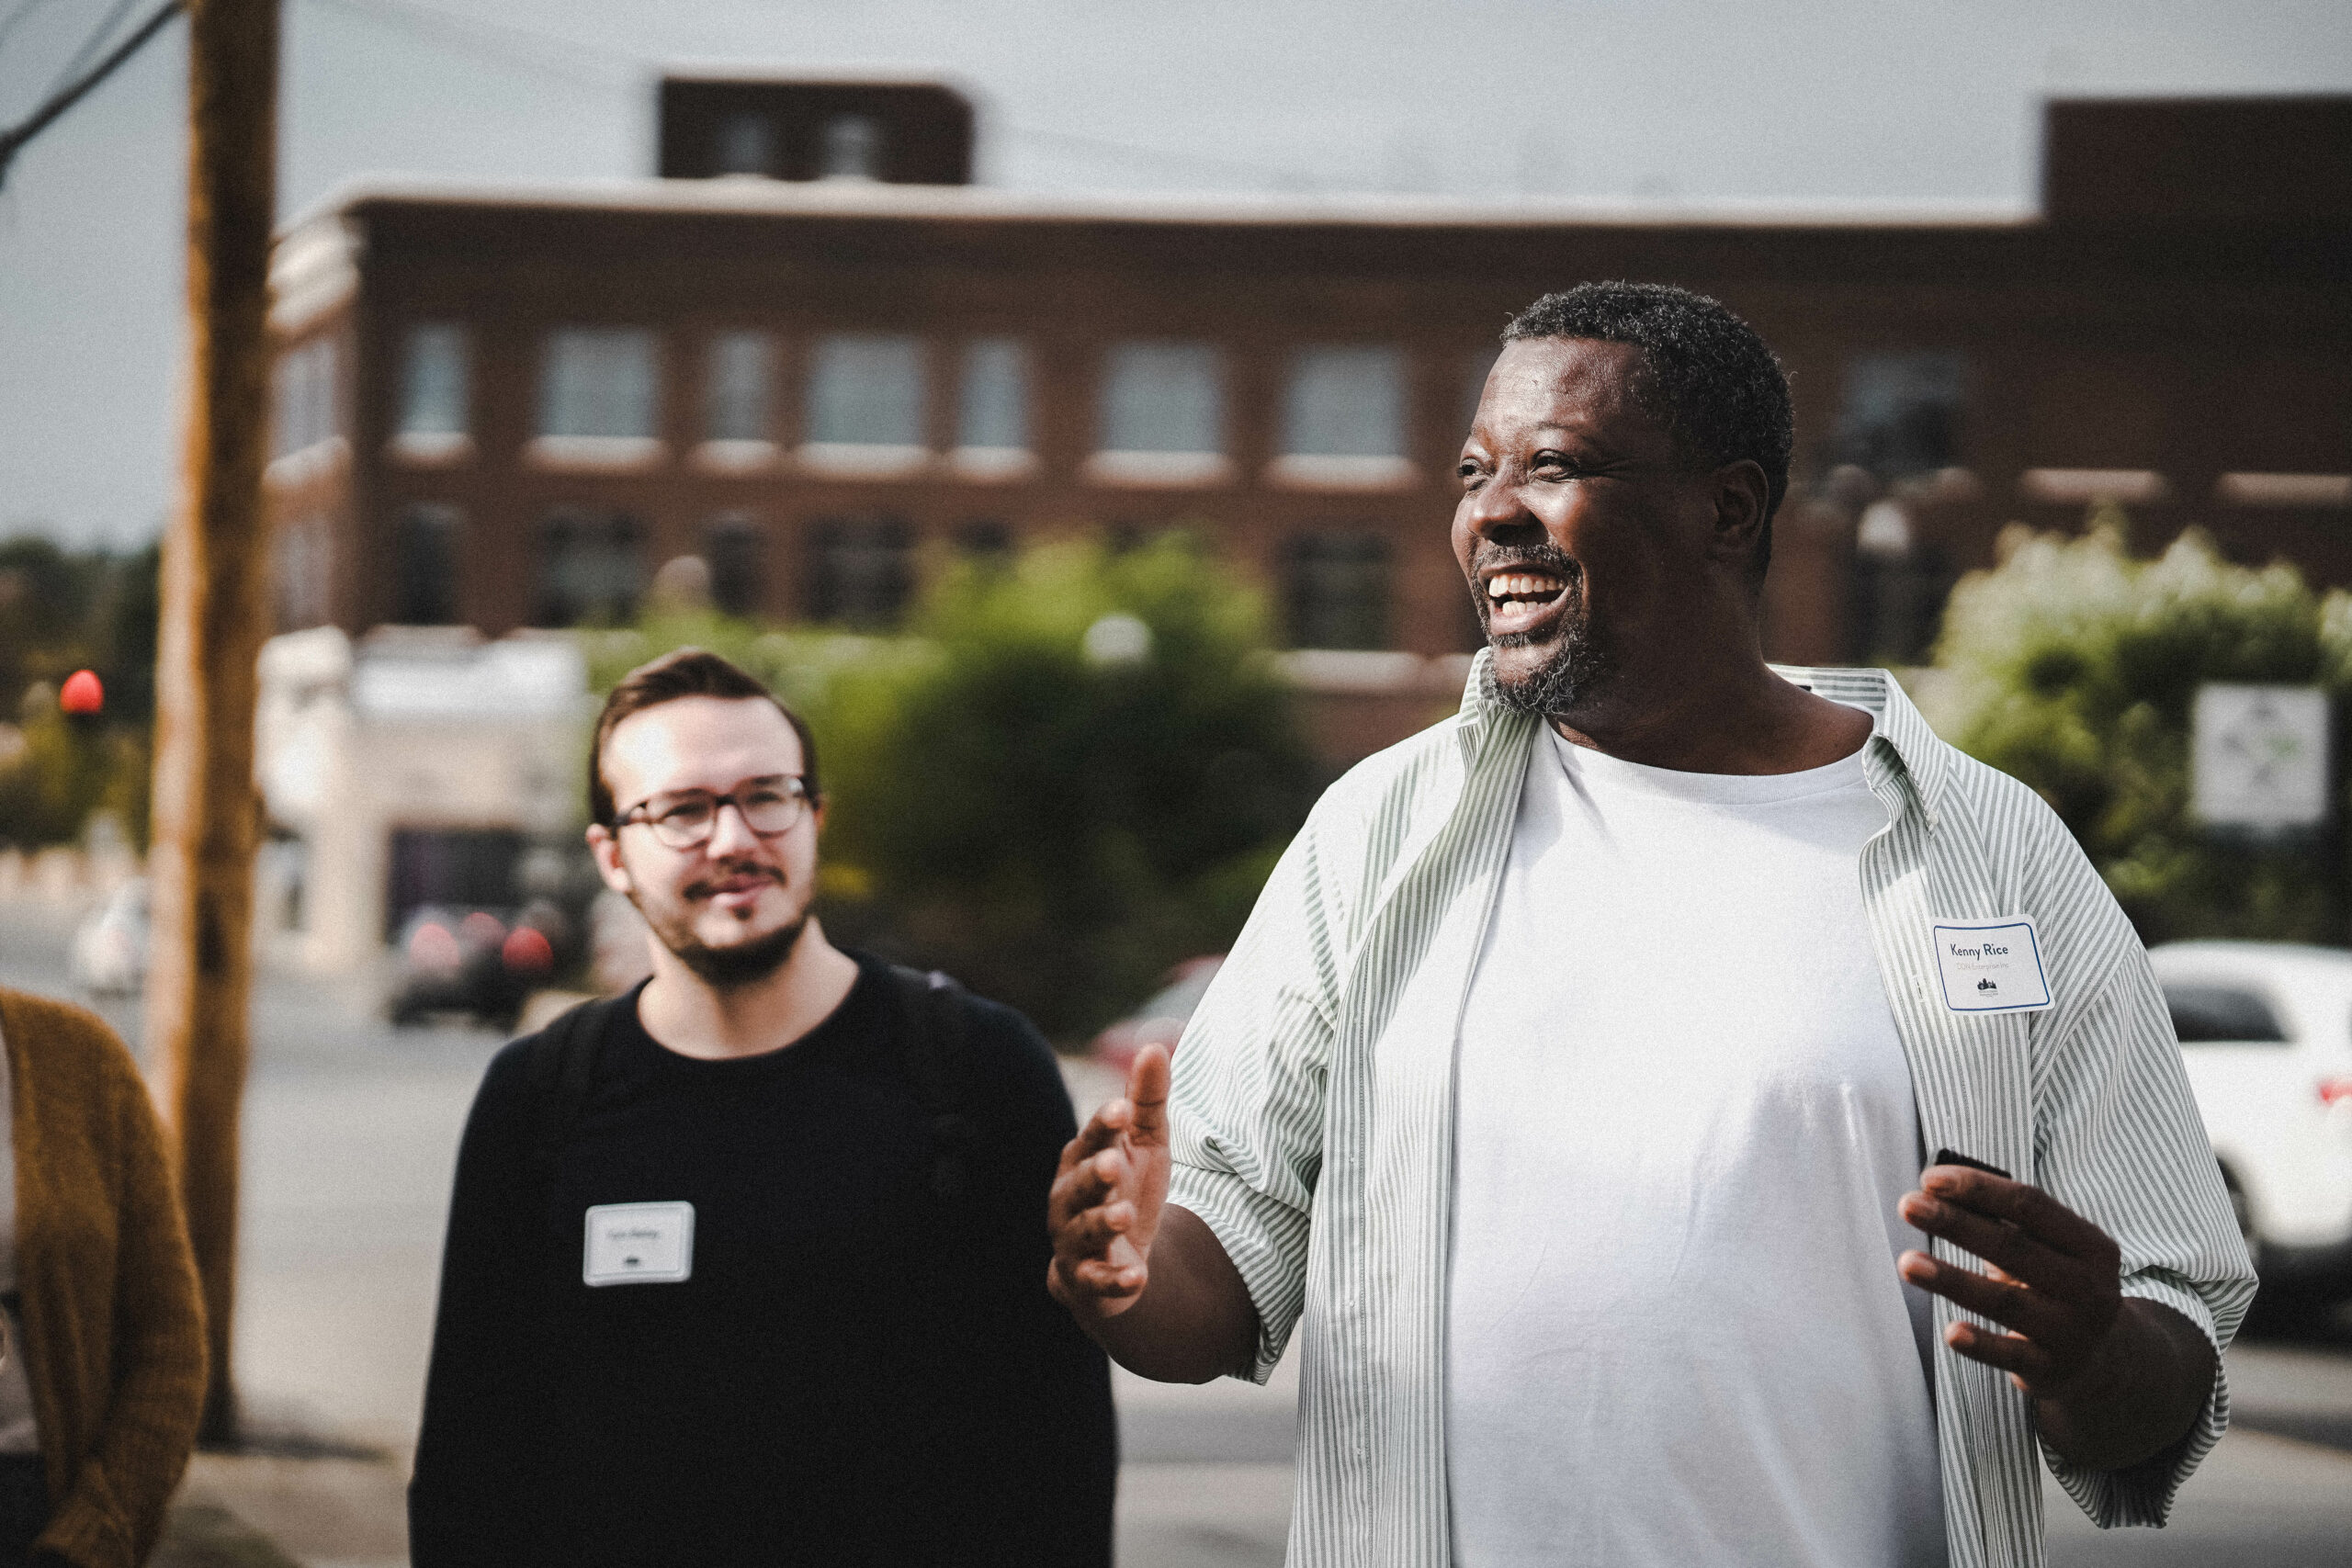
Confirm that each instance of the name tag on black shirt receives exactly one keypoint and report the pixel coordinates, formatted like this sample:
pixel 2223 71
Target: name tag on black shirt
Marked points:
pixel 639 1244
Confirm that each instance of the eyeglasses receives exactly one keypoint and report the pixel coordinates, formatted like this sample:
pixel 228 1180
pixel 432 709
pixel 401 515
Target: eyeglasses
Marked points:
pixel 768 806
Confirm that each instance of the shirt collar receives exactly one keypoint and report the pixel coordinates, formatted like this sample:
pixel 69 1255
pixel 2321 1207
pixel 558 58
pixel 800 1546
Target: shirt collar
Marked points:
pixel 1901 747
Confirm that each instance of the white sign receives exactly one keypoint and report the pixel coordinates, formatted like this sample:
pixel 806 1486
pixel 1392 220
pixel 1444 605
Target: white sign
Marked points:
pixel 639 1244
pixel 2260 756
pixel 1991 966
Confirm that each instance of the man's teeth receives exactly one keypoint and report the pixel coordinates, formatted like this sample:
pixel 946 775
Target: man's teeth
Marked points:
pixel 1521 585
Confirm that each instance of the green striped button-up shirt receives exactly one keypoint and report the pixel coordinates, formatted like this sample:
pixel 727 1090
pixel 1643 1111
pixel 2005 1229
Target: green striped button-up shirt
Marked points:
pixel 1313 1111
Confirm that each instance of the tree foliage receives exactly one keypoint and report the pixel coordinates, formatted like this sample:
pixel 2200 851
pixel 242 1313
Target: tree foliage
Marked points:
pixel 1074 771
pixel 2075 668
pixel 61 612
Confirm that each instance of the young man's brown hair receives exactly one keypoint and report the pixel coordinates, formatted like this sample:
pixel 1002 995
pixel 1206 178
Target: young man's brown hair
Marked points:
pixel 687 672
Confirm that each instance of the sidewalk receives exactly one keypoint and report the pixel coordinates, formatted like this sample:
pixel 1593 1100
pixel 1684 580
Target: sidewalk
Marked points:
pixel 262 1511
pixel 238 1511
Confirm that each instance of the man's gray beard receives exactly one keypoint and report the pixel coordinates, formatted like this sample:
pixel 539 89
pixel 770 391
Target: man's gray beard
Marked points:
pixel 1562 682
pixel 739 963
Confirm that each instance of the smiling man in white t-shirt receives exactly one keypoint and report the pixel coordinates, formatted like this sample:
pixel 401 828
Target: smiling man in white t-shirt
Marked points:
pixel 1579 1086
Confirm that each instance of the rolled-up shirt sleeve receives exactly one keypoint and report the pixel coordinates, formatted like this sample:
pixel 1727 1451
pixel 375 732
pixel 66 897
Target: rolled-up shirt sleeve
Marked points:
pixel 1248 1102
pixel 2122 1142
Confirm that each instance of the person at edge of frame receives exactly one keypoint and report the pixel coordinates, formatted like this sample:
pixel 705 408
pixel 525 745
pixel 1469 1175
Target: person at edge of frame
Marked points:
pixel 1572 1087
pixel 723 1285
pixel 102 1349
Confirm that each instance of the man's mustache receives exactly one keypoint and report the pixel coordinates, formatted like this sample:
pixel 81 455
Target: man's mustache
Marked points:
pixel 1546 556
pixel 707 887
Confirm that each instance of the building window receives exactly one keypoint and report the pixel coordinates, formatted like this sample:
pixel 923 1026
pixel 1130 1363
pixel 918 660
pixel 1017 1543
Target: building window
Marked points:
pixel 306 413
pixel 865 402
pixel 1902 413
pixel 1343 419
pixel 1162 397
pixel 424 567
pixel 435 377
pixel 735 395
pixel 599 383
pixel 861 570
pixel 1345 402
pixel 745 145
pixel 591 570
pixel 1162 416
pixel 1335 588
pixel 733 550
pixel 852 148
pixel 992 405
pixel 303 567
pixel 985 542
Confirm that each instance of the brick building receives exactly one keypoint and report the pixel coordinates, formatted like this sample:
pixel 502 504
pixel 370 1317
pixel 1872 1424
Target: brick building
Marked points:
pixel 816 361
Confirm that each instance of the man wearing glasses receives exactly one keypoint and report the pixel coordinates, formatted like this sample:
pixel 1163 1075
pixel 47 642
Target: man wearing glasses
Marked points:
pixel 673 1328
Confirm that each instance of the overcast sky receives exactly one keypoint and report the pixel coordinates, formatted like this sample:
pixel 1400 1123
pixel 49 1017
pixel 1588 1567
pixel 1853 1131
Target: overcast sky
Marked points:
pixel 1661 100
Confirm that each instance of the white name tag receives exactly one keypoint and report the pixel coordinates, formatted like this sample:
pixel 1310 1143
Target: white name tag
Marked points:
pixel 1992 967
pixel 634 1244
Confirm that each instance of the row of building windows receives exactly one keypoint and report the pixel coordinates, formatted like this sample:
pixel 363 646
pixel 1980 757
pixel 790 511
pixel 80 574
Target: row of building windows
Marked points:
pixel 869 393
pixel 1161 412
pixel 593 568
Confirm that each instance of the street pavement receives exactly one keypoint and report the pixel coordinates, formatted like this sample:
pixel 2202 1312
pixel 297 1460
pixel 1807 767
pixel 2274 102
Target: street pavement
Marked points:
pixel 350 1135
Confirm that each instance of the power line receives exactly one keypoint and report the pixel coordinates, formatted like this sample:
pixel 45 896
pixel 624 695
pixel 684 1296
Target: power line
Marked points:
pixel 569 59
pixel 91 44
pixel 1131 152
pixel 12 141
pixel 598 66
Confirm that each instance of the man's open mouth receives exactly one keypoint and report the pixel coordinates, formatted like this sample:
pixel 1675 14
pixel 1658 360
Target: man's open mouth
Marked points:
pixel 1522 599
pixel 1524 587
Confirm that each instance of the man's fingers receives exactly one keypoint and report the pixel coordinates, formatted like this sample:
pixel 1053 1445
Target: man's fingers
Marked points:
pixel 1102 1131
pixel 1079 1188
pixel 2008 1248
pixel 1091 1232
pixel 2012 1353
pixel 2014 1306
pixel 1148 1094
pixel 2024 1205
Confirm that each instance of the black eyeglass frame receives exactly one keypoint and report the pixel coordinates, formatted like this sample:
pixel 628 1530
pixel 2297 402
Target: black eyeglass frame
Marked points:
pixel 640 815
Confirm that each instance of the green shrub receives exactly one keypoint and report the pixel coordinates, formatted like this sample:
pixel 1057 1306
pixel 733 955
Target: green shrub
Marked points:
pixel 2075 668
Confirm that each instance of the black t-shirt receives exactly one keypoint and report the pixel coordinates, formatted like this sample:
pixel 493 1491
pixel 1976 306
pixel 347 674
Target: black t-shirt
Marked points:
pixel 854 1371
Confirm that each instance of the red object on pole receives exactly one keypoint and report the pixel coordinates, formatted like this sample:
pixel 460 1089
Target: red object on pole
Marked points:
pixel 82 693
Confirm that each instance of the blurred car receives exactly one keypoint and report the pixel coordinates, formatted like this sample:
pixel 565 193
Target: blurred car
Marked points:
pixel 2265 1030
pixel 483 962
pixel 108 956
pixel 1162 1019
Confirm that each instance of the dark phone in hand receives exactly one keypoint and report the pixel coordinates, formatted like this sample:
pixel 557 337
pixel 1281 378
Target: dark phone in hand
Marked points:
pixel 1948 1157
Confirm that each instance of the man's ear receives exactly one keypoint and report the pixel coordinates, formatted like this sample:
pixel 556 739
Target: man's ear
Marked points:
pixel 607 850
pixel 1741 494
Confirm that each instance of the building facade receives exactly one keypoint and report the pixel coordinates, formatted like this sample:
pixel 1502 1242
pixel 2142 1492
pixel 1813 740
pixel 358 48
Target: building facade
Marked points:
pixel 509 407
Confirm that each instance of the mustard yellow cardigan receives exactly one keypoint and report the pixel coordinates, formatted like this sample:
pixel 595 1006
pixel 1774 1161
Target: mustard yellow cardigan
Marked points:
pixel 113 1324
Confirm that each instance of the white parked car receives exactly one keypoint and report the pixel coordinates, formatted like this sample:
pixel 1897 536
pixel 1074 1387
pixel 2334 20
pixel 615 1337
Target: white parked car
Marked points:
pixel 2266 1030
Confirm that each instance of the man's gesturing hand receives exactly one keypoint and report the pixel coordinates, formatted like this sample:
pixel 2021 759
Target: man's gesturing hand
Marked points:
pixel 1107 1197
pixel 2113 1380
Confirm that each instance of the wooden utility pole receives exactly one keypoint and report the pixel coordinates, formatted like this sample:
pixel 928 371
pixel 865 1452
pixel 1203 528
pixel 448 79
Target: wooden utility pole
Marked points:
pixel 206 814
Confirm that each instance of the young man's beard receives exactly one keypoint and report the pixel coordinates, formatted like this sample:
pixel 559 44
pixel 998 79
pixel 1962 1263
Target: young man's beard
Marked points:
pixel 1567 678
pixel 724 968
pixel 739 963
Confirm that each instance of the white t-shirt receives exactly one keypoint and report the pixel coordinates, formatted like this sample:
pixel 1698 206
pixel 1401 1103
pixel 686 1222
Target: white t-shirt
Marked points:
pixel 1684 1118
